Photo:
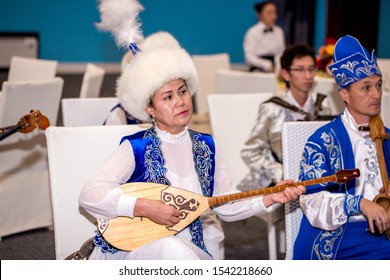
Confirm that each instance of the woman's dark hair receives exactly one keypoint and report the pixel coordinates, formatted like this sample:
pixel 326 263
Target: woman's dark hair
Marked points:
pixel 260 6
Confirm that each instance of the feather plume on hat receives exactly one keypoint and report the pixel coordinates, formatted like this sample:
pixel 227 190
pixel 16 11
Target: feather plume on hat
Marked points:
pixel 160 60
pixel 120 17
pixel 160 39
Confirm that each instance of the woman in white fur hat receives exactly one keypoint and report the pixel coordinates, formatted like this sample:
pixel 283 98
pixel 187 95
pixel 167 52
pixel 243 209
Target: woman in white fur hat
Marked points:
pixel 162 39
pixel 158 86
pixel 212 228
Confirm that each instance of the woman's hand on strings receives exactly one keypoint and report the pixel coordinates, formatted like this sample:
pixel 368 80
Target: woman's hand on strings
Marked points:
pixel 157 211
pixel 286 196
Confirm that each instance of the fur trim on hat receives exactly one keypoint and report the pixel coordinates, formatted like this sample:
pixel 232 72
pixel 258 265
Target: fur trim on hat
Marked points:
pixel 148 72
pixel 161 39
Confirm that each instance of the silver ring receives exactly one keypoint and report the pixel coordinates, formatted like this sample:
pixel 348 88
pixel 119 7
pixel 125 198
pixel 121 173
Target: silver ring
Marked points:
pixel 378 220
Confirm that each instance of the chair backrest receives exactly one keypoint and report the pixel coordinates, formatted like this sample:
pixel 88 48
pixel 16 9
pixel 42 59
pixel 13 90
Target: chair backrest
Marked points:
pixel 31 69
pixel 18 98
pixel 384 66
pixel 234 81
pixel 232 117
pixel 207 66
pixel 86 111
pixel 294 137
pixel 92 81
pixel 385 113
pixel 25 201
pixel 75 155
pixel 328 87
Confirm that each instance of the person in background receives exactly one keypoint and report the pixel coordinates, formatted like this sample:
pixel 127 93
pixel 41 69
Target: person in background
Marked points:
pixel 119 116
pixel 264 41
pixel 262 152
pixel 158 86
pixel 340 218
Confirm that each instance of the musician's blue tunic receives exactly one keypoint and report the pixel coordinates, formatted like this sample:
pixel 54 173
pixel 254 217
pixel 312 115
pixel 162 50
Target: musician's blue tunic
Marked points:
pixel 327 151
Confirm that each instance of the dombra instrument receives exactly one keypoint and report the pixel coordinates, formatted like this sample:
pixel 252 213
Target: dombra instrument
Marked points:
pixel 26 124
pixel 127 233
pixel 378 134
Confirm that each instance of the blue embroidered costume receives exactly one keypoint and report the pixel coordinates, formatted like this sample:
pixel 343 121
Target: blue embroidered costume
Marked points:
pixel 327 151
pixel 189 160
pixel 150 168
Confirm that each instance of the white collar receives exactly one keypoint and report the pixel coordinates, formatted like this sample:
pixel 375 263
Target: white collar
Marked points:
pixel 168 137
pixel 350 122
pixel 263 25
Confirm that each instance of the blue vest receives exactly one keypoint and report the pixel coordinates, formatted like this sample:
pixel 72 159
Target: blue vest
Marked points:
pixel 150 167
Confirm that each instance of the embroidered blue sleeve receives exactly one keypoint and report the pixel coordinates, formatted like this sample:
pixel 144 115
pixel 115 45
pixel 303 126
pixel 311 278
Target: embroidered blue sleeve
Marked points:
pixel 321 157
pixel 104 246
pixel 313 165
pixel 352 204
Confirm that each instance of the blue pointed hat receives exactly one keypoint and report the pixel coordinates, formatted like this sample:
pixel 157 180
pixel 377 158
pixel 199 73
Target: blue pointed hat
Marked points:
pixel 352 62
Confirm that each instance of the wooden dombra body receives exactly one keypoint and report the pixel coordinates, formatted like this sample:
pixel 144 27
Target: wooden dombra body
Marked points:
pixel 127 233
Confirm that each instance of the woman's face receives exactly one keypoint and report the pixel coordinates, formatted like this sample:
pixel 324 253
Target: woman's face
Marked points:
pixel 268 14
pixel 171 106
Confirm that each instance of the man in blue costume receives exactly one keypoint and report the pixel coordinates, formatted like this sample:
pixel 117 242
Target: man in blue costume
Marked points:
pixel 341 221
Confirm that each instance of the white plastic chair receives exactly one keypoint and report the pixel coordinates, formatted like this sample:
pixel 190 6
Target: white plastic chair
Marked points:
pixel 92 81
pixel 234 81
pixel 31 69
pixel 75 154
pixel 86 111
pixel 25 201
pixel 294 137
pixel 18 98
pixel 232 117
pixel 384 66
pixel 328 87
pixel 207 65
pixel 385 113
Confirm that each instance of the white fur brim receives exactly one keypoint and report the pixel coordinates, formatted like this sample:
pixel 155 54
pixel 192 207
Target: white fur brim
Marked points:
pixel 148 72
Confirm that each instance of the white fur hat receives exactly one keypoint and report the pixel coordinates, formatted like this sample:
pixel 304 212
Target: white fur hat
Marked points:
pixel 161 39
pixel 148 72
